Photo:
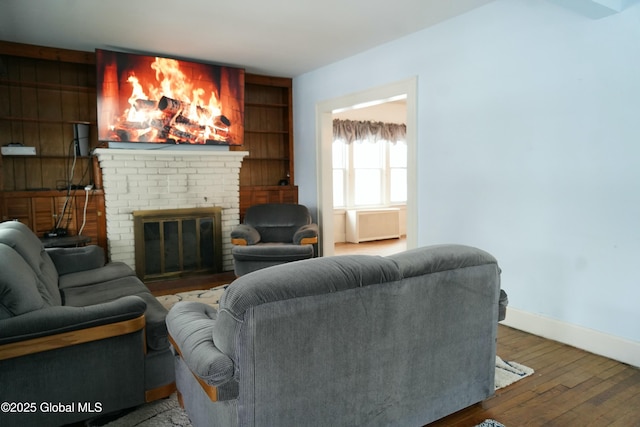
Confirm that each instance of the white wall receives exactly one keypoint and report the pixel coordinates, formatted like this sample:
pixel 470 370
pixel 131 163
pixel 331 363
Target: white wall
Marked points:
pixel 528 147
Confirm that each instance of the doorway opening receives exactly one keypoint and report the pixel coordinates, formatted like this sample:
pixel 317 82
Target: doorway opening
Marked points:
pixel 406 90
pixel 369 177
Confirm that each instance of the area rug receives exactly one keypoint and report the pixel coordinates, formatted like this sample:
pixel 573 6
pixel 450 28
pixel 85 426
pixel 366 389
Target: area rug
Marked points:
pixel 207 296
pixel 508 373
pixel 490 423
pixel 161 413
pixel 167 413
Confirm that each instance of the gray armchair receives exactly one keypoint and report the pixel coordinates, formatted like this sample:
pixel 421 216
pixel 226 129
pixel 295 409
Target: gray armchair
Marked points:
pixel 273 234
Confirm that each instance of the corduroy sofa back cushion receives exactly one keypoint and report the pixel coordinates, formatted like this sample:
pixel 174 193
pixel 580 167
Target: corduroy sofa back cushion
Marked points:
pixel 277 223
pixel 19 237
pixel 295 280
pixel 439 258
pixel 18 285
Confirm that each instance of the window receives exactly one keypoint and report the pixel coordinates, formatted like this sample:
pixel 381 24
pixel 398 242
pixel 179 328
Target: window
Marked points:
pixel 398 172
pixel 369 173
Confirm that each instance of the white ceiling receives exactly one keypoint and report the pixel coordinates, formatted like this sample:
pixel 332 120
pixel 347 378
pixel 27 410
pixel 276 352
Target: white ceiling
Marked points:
pixel 274 37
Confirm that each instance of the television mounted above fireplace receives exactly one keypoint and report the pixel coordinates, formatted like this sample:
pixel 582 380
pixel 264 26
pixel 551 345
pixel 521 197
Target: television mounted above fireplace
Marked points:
pixel 152 99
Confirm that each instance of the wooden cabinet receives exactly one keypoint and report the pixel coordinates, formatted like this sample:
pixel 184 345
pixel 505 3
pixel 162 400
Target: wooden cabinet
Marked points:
pixel 42 211
pixel 250 196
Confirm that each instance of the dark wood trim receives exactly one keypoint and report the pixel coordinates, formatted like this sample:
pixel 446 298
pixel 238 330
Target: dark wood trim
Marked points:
pixel 67 339
pixel 209 390
pixel 47 53
pixel 50 193
pixel 159 392
pixel 257 79
pixel 309 241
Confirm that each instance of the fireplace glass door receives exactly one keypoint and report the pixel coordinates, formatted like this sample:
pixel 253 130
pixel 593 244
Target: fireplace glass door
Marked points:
pixel 177 242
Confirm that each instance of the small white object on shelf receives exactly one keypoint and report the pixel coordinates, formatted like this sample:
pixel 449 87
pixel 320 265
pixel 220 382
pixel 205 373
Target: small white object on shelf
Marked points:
pixel 15 150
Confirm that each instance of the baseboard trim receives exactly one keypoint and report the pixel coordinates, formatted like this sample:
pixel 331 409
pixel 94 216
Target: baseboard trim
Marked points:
pixel 596 342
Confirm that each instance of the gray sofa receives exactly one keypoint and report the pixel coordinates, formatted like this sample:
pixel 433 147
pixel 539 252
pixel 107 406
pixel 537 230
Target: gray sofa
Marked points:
pixel 75 331
pixel 352 340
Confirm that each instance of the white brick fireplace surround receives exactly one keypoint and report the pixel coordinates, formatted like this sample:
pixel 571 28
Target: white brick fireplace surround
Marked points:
pixel 167 179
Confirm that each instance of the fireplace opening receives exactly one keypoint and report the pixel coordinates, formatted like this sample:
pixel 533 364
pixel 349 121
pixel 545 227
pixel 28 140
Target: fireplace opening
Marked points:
pixel 177 242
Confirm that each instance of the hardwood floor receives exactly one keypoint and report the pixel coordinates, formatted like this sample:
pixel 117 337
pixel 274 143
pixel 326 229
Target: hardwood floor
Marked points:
pixel 376 247
pixel 570 387
pixel 167 287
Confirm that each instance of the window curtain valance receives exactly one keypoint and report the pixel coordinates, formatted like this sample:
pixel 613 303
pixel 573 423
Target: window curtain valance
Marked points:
pixel 350 131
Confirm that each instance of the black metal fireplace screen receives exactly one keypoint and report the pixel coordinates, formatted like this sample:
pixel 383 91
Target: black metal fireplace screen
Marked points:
pixel 177 242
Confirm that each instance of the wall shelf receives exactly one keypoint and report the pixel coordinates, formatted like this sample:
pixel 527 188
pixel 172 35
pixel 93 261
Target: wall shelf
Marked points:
pixel 43 156
pixel 258 104
pixel 275 132
pixel 269 141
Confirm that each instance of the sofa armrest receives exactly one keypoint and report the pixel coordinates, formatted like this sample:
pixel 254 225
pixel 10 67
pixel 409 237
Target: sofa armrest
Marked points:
pixel 245 234
pixel 71 260
pixel 190 325
pixel 503 302
pixel 306 235
pixel 56 320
